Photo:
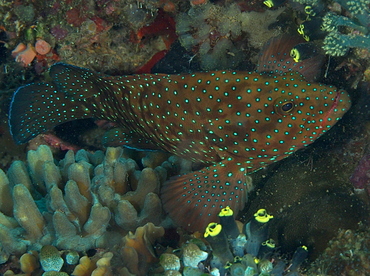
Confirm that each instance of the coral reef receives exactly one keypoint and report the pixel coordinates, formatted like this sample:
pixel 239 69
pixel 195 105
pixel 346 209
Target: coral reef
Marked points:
pixel 360 178
pixel 217 34
pixel 91 213
pixel 86 201
pixel 100 31
pixel 337 43
pixel 345 24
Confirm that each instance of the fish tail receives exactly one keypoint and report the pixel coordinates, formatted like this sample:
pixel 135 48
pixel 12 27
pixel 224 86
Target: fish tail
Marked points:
pixel 195 199
pixel 36 108
pixel 76 82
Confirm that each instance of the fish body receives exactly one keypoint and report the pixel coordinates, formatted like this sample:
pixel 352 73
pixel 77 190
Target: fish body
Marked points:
pixel 233 122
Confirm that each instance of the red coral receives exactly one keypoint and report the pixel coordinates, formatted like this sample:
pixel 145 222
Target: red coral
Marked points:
pixel 163 26
pixel 147 67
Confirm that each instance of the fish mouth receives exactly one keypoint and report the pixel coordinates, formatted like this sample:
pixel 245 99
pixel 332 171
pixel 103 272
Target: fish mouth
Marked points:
pixel 332 110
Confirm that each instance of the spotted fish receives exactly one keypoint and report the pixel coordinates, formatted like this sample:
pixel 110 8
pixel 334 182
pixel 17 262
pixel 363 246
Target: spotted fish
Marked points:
pixel 233 122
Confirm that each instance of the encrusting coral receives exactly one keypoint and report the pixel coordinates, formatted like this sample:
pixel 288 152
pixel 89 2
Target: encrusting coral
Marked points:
pixel 85 201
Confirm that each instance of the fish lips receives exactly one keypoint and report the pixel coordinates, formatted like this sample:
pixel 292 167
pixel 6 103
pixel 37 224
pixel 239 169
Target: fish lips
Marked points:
pixel 340 106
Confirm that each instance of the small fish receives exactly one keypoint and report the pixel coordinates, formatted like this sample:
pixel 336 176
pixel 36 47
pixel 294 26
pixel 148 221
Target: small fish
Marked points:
pixel 233 122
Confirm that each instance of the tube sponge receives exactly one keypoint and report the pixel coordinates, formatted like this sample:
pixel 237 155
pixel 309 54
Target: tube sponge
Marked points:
pixel 216 237
pixel 228 223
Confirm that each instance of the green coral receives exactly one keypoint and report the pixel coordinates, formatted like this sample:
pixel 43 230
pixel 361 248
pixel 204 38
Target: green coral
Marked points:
pixel 337 44
pixel 332 21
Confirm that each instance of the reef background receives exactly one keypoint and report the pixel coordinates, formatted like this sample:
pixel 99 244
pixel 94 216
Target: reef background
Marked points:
pixel 325 186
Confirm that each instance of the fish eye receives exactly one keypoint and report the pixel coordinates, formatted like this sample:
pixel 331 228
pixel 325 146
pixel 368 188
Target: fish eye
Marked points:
pixel 283 105
pixel 286 107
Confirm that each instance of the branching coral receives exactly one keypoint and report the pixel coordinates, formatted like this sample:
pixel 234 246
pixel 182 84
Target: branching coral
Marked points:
pixel 337 44
pixel 85 201
pixel 343 32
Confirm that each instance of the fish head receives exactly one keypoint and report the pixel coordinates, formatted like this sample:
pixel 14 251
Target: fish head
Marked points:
pixel 298 111
pixel 310 109
pixel 276 115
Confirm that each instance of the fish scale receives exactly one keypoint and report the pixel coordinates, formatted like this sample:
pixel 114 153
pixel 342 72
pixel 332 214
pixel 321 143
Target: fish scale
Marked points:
pixel 233 122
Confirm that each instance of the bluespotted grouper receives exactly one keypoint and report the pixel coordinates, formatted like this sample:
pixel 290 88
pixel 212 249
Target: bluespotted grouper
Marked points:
pixel 233 122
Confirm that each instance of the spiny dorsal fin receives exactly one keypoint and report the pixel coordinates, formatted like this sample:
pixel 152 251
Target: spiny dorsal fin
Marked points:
pixel 275 58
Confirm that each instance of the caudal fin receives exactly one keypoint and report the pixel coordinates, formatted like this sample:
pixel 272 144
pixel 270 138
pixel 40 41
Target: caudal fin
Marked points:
pixel 194 200
pixel 76 82
pixel 36 108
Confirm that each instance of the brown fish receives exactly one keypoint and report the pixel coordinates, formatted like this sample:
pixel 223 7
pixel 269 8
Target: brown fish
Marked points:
pixel 233 122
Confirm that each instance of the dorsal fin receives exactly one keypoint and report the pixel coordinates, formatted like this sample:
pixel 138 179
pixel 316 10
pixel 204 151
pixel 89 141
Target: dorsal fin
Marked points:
pixel 275 58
